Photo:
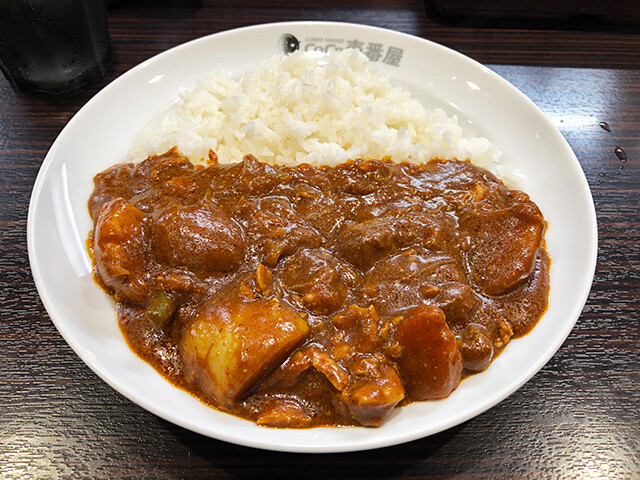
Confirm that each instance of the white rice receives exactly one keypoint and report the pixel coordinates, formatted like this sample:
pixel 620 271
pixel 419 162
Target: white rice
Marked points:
pixel 309 109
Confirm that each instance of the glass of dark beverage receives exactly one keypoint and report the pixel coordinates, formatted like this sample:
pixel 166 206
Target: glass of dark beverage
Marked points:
pixel 54 46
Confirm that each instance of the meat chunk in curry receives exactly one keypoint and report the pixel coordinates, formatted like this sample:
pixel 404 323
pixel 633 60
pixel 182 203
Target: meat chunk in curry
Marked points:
pixel 307 296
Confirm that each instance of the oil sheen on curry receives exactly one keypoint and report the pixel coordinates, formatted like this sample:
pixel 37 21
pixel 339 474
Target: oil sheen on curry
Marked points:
pixel 305 296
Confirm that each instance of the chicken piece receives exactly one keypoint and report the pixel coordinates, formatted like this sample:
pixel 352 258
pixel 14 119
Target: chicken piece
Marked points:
pixel 163 167
pixel 319 278
pixel 281 230
pixel 121 247
pixel 369 387
pixel 115 182
pixel 230 346
pixel 406 280
pixel 362 330
pixel 430 363
pixel 326 365
pixel 201 238
pixel 476 348
pixel 457 301
pixel 263 279
pixel 256 177
pixel 312 356
pixel 504 245
pixel 324 213
pixel 134 183
pixel 375 390
pixel 284 413
pixel 361 177
pixel 363 244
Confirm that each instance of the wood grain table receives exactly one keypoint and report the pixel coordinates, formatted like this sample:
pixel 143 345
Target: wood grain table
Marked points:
pixel 577 418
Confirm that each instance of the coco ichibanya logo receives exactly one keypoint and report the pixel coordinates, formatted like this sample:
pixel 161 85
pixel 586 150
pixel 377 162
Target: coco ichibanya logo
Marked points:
pixel 375 51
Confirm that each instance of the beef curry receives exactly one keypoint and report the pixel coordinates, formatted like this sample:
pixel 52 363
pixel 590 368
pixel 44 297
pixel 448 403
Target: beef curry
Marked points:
pixel 300 296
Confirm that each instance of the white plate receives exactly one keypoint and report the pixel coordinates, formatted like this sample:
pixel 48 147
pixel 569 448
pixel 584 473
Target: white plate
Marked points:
pixel 102 131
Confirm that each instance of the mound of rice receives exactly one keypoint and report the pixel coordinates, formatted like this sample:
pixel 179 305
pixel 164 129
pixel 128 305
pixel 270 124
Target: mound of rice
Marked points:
pixel 303 108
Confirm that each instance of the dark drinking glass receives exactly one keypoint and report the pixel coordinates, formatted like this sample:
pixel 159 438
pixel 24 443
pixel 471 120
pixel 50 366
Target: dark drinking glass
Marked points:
pixel 53 46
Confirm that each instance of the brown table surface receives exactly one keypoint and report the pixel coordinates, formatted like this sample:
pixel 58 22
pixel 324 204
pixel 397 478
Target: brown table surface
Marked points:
pixel 577 418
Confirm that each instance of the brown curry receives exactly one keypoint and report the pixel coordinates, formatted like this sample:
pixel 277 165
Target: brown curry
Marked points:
pixel 301 296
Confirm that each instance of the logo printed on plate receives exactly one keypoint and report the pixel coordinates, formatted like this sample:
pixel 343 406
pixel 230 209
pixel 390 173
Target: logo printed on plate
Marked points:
pixel 375 51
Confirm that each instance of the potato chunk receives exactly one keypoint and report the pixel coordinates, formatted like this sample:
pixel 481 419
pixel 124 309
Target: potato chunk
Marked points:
pixel 229 347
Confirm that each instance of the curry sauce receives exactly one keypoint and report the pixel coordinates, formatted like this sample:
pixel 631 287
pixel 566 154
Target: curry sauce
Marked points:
pixel 300 296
